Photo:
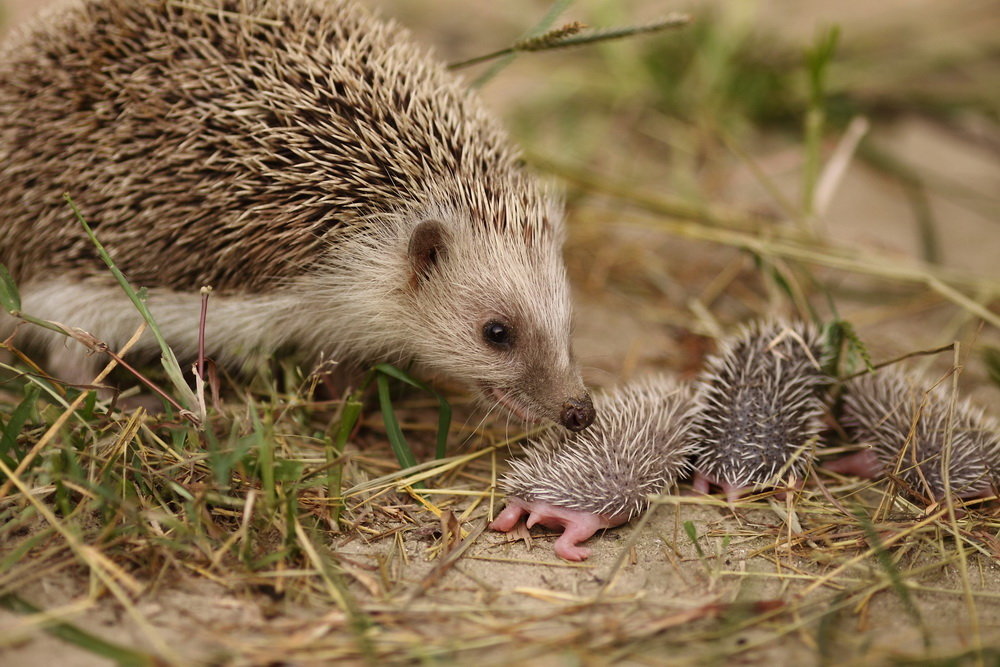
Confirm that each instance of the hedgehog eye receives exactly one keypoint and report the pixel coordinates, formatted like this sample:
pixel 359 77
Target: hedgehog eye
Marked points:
pixel 498 334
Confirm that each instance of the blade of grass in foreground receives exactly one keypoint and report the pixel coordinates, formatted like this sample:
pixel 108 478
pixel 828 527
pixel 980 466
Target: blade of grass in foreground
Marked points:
pixel 334 478
pixel 20 415
pixel 80 638
pixel 392 430
pixel 169 361
pixel 10 298
pixel 444 408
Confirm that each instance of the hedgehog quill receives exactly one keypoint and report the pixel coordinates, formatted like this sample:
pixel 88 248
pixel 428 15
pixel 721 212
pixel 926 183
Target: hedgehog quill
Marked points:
pixel 759 407
pixel 602 477
pixel 907 425
pixel 340 191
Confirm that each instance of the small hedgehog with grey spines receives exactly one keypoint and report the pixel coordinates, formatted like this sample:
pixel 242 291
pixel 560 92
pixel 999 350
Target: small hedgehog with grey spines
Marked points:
pixel 759 407
pixel 906 421
pixel 602 477
pixel 342 193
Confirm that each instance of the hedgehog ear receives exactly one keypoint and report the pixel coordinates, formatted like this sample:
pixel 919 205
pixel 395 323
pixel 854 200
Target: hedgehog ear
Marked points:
pixel 428 246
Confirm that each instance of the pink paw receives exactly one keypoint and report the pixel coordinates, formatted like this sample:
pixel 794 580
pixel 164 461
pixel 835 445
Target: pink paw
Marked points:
pixel 577 525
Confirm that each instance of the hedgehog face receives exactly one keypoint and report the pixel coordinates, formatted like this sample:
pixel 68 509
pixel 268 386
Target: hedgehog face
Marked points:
pixel 491 308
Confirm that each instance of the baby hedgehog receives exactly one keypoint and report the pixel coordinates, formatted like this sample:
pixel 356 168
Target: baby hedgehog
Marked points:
pixel 906 422
pixel 342 193
pixel 759 407
pixel 601 477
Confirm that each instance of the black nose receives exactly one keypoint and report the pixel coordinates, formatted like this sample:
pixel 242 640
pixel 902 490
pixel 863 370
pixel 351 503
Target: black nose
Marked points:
pixel 577 414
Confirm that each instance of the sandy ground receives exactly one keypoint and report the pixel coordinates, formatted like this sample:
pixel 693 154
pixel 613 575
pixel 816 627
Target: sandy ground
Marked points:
pixel 663 582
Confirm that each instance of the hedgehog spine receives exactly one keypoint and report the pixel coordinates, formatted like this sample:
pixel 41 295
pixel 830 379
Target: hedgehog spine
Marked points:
pixel 759 404
pixel 341 192
pixel 907 421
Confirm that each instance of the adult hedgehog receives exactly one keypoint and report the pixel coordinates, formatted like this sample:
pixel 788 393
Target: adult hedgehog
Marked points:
pixel 339 190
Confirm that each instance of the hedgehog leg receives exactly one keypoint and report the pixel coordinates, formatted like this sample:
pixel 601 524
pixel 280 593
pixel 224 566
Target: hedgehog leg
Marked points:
pixel 510 516
pixel 703 483
pixel 577 526
pixel 566 547
pixel 733 492
pixel 862 464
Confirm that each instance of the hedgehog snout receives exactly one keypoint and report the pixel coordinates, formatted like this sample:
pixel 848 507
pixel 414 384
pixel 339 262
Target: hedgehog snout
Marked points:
pixel 577 413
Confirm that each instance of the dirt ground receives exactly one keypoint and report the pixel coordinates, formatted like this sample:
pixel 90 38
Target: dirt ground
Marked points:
pixel 657 590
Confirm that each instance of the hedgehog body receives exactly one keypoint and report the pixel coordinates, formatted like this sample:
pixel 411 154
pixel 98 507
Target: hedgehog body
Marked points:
pixel 908 423
pixel 602 477
pixel 339 190
pixel 759 403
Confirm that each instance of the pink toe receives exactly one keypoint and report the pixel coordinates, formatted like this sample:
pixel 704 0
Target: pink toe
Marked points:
pixel 509 517
pixel 566 548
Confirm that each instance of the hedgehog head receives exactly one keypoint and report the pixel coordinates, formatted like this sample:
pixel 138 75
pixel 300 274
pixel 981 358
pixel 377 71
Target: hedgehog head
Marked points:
pixel 468 283
pixel 490 304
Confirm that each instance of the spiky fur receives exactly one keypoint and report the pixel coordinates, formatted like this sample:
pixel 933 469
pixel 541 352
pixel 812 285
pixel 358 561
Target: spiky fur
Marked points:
pixel 637 446
pixel 759 404
pixel 283 152
pixel 907 420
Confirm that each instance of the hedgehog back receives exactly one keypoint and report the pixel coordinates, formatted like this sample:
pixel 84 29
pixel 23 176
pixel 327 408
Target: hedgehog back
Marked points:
pixel 224 147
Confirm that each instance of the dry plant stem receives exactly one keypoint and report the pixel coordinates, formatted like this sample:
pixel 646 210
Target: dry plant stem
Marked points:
pixel 963 566
pixel 113 577
pixel 886 543
pixel 626 549
pixel 846 259
pixel 569 35
pixel 447 562
pixel 64 417
pixel 187 414
pixel 902 357
pixel 95 345
pixel 730 228
pixel 765 181
pixel 537 43
pixel 26 624
pixel 836 167
pixel 206 291
pixel 669 206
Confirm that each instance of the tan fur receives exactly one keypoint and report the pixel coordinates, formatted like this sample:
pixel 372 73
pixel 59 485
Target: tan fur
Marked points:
pixel 283 152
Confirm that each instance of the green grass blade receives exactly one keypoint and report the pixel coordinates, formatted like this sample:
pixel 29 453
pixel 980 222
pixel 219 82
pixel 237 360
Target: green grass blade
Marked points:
pixel 444 408
pixel 895 578
pixel 20 415
pixel 169 361
pixel 334 477
pixel 818 60
pixel 395 434
pixel 10 298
